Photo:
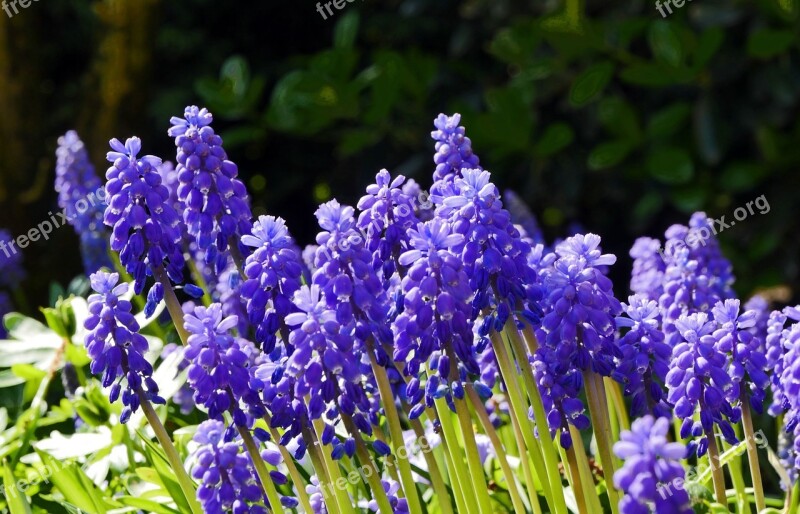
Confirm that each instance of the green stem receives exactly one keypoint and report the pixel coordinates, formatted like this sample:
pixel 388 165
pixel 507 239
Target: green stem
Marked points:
pixel 752 454
pixel 587 479
pixel 619 404
pixel 261 469
pixel 374 479
pixel 473 457
pixel 598 410
pixel 458 465
pixel 325 483
pixel 439 488
pixel 717 473
pixel 396 441
pixel 508 473
pixel 577 483
pixel 186 484
pixel 288 459
pixel 173 305
pixel 524 457
pixel 548 445
pixel 794 499
pixel 510 378
pixel 735 467
pixel 345 505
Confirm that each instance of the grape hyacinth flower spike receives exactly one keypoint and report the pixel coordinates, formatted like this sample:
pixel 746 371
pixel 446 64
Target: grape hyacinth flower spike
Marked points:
pixel 115 346
pixel 651 470
pixel 273 274
pixel 217 210
pixel 145 228
pixel 78 188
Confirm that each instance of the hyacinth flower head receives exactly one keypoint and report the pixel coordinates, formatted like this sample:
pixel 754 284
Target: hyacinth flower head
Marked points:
pixel 651 470
pixel 647 276
pixel 580 307
pixel 453 149
pixel 494 254
pixel 219 371
pixel 435 324
pixel 698 378
pixel 748 363
pixel 273 274
pixel 560 384
pixel 645 359
pixel 696 276
pixel 77 186
pixel 145 227
pixel 774 353
pixel 387 213
pixel 228 482
pixel 115 346
pixel 345 273
pixel 215 200
pixel 325 365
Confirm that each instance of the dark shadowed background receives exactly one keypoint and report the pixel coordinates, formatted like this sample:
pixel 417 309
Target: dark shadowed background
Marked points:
pixel 600 113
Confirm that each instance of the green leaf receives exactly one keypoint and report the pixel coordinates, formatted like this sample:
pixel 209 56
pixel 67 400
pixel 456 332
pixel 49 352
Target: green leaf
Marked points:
pixel 655 74
pixel 555 138
pixel 146 505
pixel 54 321
pixel 158 461
pixel 707 45
pixel 741 176
pixel 619 118
pixel 608 154
pixel 664 43
pixel 16 499
pixel 670 165
pixel 77 488
pixel 766 43
pixel 590 83
pixel 346 31
pixel 668 120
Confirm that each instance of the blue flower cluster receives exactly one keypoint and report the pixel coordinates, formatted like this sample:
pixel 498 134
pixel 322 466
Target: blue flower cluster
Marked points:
pixel 226 475
pixel 116 347
pixel 218 371
pixel 145 227
pixel 77 186
pixel 273 272
pixel 215 200
pixel 652 476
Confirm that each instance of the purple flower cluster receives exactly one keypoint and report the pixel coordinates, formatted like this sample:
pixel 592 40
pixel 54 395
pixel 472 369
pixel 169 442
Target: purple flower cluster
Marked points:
pixel 652 475
pixel 215 200
pixel 494 254
pixel 434 325
pixel 219 371
pixel 145 228
pixel 647 277
pixel 273 272
pixel 387 214
pixel 453 149
pixel 115 346
pixel 645 359
pixel 698 377
pixel 227 477
pixel 77 186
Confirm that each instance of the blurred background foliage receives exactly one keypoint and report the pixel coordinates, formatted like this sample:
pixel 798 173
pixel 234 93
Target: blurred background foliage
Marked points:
pixel 600 113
